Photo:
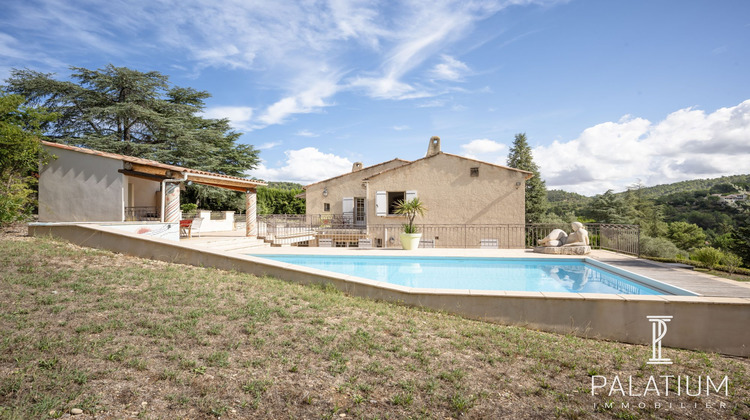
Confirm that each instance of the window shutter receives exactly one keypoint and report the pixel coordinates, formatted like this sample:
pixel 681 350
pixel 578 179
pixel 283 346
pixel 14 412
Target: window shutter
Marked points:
pixel 348 205
pixel 381 204
pixel 411 195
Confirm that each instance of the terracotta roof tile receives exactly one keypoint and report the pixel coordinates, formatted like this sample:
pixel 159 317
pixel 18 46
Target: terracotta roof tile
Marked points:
pixel 147 162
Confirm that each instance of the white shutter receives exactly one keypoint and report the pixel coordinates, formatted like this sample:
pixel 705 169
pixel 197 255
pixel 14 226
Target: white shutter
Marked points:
pixel 381 203
pixel 411 195
pixel 348 205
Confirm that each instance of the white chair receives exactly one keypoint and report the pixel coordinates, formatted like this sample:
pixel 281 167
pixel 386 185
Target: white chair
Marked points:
pixel 427 243
pixel 365 243
pixel 488 244
pixel 325 243
pixel 195 228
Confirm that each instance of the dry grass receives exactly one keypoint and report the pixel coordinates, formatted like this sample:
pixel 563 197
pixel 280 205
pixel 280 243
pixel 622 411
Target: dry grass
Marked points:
pixel 118 336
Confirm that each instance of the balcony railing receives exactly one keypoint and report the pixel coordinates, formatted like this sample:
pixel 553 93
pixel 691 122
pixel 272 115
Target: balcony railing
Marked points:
pixel 342 230
pixel 141 213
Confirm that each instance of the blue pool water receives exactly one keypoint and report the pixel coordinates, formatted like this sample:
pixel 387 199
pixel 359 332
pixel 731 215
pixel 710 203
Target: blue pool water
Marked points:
pixel 537 275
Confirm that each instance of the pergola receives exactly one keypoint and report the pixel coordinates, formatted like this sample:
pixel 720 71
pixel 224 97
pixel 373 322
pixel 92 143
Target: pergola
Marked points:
pixel 170 176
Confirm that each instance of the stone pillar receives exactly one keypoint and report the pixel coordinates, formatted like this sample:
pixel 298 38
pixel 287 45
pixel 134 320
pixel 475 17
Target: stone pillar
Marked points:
pixel 172 202
pixel 251 218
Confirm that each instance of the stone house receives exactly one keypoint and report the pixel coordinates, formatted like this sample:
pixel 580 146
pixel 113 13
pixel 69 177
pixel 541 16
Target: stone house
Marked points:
pixel 457 191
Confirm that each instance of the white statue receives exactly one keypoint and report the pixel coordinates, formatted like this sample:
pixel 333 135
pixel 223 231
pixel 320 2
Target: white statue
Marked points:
pixel 579 236
pixel 555 238
pixel 558 237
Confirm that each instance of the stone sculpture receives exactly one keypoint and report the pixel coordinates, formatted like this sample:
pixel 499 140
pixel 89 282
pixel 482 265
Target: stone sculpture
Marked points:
pixel 558 242
pixel 555 238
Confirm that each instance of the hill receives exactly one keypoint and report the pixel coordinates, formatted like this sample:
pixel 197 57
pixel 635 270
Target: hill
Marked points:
pixel 741 182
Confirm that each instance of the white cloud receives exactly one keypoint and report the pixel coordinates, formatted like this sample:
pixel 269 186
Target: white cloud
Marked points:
pixel 449 69
pixel 303 52
pixel 306 133
pixel 309 100
pixel 400 127
pixel 687 144
pixel 239 116
pixel 304 166
pixel 269 145
pixel 486 150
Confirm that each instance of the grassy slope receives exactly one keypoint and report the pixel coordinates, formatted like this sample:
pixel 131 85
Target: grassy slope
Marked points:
pixel 119 336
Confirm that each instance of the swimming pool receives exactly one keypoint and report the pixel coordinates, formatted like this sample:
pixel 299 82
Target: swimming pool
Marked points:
pixel 535 275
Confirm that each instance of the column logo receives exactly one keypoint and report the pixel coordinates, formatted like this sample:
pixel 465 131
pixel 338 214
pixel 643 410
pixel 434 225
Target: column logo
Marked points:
pixel 658 331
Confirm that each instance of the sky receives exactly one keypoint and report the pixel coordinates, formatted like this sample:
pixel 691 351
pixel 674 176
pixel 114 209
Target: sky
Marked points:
pixel 609 93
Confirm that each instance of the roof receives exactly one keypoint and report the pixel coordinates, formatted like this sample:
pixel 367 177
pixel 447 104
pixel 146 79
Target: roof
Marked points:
pixel 151 169
pixel 528 174
pixel 406 162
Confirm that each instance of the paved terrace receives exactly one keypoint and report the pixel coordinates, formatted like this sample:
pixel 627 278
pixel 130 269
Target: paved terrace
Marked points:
pixel 697 282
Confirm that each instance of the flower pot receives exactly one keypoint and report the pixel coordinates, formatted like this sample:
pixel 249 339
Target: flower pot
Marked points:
pixel 410 240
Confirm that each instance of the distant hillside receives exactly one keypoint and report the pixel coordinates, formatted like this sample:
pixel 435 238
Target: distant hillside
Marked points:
pixel 740 181
pixel 557 196
pixel 285 185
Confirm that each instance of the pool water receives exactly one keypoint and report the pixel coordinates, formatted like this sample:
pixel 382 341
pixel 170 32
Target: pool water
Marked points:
pixel 528 275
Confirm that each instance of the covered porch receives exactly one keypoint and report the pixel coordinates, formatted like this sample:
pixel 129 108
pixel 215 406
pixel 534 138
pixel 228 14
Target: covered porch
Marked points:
pixel 165 203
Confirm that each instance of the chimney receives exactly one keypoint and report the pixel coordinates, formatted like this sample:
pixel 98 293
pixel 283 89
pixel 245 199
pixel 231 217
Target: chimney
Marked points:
pixel 434 147
pixel 357 166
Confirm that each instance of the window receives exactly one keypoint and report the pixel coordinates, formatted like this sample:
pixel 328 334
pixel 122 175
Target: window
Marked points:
pixel 359 211
pixel 393 199
pixel 474 171
pixel 326 206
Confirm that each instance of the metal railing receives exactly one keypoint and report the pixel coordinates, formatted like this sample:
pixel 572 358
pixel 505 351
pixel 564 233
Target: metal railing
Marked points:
pixel 141 213
pixel 613 237
pixel 342 231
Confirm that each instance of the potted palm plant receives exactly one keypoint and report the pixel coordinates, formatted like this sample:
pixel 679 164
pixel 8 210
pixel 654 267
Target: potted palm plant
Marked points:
pixel 410 236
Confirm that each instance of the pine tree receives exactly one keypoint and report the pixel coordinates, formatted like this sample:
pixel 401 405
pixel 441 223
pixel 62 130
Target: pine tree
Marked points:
pixel 520 157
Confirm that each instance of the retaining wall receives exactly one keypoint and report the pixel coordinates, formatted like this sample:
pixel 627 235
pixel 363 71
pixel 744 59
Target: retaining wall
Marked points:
pixel 699 323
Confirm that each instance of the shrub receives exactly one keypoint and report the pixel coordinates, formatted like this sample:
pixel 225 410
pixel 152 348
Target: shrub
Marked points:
pixel 731 262
pixel 708 255
pixel 188 207
pixel 659 247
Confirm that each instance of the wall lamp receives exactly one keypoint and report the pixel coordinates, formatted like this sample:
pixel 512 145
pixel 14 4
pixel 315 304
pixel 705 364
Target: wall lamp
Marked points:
pixel 518 184
pixel 325 192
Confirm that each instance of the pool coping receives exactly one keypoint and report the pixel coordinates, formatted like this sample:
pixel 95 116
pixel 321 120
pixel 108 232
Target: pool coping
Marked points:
pixel 716 324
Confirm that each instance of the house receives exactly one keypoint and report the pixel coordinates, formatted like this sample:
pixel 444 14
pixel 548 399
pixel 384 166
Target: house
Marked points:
pixel 461 195
pixel 85 185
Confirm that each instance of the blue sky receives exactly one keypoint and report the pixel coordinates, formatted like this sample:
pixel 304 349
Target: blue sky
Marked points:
pixel 609 93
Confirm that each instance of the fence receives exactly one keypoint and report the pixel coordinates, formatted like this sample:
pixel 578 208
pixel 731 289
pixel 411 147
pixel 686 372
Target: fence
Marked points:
pixel 141 213
pixel 613 237
pixel 343 231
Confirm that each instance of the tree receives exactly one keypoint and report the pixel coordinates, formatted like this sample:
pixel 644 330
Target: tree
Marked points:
pixel 741 241
pixel 609 208
pixel 280 201
pixel 686 235
pixel 410 209
pixel 120 110
pixel 20 151
pixel 520 157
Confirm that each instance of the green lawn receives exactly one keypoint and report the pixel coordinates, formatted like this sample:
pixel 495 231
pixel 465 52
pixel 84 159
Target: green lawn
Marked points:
pixel 118 336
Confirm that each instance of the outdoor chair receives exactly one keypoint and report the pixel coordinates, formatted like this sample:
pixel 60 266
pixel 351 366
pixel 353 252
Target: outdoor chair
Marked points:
pixel 365 243
pixel 488 244
pixel 185 227
pixel 427 243
pixel 196 227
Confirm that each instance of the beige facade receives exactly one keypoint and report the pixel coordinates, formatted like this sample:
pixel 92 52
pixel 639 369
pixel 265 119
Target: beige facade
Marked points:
pixel 81 188
pixel 327 197
pixel 85 185
pixel 456 191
